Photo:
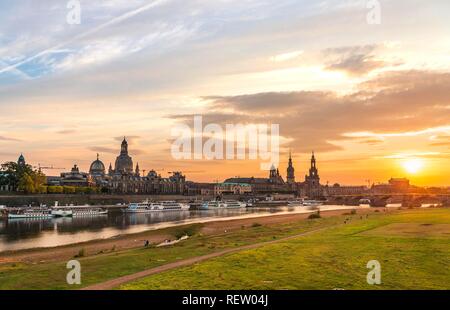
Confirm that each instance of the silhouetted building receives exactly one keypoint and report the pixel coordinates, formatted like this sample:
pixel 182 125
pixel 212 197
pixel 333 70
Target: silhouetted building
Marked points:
pixel 290 176
pixel 76 178
pixel 124 179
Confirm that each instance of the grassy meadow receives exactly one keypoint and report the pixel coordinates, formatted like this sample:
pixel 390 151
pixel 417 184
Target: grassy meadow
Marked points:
pixel 412 247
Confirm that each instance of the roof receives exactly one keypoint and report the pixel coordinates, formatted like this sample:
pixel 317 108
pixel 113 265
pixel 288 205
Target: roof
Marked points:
pixel 231 183
pixel 251 180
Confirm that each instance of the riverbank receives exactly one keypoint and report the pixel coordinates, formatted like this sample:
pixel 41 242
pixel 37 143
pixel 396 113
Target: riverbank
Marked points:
pixel 411 247
pixel 339 239
pixel 103 260
pixel 208 226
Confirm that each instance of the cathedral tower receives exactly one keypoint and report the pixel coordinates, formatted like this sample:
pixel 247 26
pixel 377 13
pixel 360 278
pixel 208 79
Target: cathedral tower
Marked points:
pixel 313 180
pixel 290 178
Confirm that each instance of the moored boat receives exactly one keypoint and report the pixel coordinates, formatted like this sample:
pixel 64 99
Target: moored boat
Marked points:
pixel 312 203
pixel 62 213
pixel 146 206
pixel 89 211
pixel 228 204
pixel 30 213
pixel 295 203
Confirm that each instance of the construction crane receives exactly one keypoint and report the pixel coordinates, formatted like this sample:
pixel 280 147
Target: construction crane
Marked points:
pixel 48 167
pixel 192 171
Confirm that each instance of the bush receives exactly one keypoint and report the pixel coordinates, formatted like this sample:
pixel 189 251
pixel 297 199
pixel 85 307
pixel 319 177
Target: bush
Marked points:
pixel 42 189
pixel 68 189
pixel 314 216
pixel 81 253
pixel 185 231
pixel 55 189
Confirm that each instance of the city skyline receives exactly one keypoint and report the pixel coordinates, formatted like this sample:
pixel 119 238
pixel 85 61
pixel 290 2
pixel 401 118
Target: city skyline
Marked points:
pixel 372 100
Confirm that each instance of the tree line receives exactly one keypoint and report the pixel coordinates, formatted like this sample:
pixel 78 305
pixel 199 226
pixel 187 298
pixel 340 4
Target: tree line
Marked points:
pixel 25 179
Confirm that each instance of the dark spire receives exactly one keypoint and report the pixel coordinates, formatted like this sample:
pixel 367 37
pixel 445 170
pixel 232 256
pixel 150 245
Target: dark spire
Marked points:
pixel 21 160
pixel 138 173
pixel 124 147
pixel 290 177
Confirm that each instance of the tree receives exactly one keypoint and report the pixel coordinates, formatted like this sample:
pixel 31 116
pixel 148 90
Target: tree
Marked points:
pixel 21 177
pixel 39 179
pixel 26 184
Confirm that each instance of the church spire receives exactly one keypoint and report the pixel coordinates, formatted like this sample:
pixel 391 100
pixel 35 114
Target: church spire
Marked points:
pixel 124 147
pixel 290 177
pixel 138 172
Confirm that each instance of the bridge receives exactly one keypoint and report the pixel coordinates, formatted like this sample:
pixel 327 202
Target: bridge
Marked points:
pixel 380 199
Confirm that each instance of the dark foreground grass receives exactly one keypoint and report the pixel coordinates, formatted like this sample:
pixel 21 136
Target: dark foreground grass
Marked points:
pixel 106 266
pixel 330 259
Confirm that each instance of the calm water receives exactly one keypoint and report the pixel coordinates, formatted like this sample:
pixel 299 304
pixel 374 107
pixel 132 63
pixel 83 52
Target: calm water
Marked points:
pixel 18 234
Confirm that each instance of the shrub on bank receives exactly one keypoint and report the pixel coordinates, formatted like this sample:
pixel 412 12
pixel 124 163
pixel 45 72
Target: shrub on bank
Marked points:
pixel 55 189
pixel 69 189
pixel 314 216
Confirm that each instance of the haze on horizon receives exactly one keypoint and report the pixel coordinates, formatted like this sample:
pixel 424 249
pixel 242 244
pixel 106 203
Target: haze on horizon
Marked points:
pixel 372 101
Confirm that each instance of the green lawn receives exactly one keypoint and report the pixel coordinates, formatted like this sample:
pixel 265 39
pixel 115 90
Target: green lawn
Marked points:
pixel 103 267
pixel 334 258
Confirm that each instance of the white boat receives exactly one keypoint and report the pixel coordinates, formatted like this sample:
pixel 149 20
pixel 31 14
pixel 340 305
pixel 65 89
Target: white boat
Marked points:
pixel 233 204
pixel 312 203
pixel 144 207
pixel 295 203
pixel 62 213
pixel 228 204
pixel 88 211
pixel 30 213
pixel 77 211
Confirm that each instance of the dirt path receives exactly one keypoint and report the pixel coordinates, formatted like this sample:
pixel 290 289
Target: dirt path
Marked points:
pixel 190 261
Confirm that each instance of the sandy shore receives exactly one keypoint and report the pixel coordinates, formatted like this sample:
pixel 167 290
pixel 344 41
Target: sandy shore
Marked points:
pixel 124 242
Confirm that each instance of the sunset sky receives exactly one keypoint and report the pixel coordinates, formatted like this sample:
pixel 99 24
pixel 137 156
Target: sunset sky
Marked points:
pixel 372 101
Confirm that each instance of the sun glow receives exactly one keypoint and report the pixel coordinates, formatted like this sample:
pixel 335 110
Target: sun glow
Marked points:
pixel 413 166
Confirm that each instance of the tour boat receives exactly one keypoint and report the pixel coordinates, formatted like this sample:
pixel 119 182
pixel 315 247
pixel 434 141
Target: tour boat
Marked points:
pixel 295 203
pixel 228 204
pixel 312 203
pixel 62 213
pixel 88 211
pixel 30 213
pixel 144 207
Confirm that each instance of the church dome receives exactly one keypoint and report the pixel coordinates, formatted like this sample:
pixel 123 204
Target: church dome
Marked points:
pixel 97 167
pixel 152 174
pixel 124 163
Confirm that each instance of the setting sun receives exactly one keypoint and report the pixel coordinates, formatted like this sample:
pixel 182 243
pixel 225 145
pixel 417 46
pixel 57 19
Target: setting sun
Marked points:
pixel 413 166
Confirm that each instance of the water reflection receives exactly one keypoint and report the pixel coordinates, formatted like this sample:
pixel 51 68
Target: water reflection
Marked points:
pixel 29 233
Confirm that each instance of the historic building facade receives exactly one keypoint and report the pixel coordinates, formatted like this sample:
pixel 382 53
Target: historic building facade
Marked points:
pixel 127 179
pixel 76 178
pixel 310 187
